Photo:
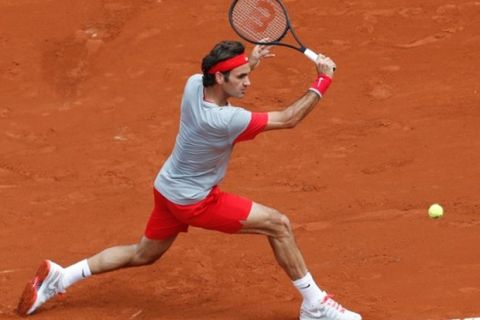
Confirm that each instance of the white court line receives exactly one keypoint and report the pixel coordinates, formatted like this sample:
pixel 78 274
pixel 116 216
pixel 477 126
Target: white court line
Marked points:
pixel 7 271
pixel 474 318
pixel 8 186
pixel 136 314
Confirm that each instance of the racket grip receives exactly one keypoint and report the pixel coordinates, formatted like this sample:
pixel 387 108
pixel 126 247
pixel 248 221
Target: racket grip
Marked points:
pixel 311 55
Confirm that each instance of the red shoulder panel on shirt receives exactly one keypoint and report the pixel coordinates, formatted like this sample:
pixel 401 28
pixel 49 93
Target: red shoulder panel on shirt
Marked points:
pixel 257 124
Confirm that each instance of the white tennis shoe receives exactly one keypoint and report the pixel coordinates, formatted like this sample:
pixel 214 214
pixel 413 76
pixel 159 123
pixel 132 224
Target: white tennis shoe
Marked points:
pixel 327 309
pixel 46 284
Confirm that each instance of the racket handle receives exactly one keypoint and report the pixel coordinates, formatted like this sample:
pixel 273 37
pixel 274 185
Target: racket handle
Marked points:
pixel 312 56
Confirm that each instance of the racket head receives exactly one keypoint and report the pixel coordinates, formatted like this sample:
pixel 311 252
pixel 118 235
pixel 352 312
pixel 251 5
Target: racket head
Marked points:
pixel 258 20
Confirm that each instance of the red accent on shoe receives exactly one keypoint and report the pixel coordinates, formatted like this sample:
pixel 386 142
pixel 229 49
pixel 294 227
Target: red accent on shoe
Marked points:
pixel 335 304
pixel 29 294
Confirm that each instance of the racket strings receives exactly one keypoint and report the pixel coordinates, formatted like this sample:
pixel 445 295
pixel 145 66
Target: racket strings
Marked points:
pixel 256 20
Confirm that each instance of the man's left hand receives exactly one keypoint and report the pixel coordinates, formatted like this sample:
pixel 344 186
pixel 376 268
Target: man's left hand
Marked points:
pixel 259 52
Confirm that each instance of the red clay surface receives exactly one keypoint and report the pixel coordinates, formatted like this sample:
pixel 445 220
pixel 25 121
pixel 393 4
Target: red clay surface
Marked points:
pixel 89 102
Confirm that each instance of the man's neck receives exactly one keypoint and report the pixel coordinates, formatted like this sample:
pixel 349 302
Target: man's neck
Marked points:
pixel 214 94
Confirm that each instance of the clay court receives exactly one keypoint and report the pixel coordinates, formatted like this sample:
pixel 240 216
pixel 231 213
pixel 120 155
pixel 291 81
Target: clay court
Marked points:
pixel 89 108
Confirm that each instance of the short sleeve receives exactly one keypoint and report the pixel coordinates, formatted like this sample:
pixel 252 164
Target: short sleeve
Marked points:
pixel 258 122
pixel 238 121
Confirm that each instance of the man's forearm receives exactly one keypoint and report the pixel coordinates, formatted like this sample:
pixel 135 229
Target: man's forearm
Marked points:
pixel 294 114
pixel 302 107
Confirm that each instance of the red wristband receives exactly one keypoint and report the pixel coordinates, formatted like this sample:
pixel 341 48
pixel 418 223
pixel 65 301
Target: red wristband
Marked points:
pixel 321 84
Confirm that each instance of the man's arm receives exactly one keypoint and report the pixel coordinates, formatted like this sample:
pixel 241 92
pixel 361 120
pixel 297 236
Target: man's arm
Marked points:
pixel 294 114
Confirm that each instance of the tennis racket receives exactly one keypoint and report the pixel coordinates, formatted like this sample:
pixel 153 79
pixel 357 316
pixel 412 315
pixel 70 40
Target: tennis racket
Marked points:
pixel 257 20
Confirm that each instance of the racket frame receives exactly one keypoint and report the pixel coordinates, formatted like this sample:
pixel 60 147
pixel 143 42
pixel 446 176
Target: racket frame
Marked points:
pixel 309 53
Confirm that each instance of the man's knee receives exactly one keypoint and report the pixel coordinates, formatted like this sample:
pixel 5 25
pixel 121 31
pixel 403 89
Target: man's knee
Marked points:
pixel 279 224
pixel 268 221
pixel 145 257
pixel 147 252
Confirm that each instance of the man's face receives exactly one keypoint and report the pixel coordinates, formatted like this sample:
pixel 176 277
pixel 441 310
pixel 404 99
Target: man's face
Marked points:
pixel 238 81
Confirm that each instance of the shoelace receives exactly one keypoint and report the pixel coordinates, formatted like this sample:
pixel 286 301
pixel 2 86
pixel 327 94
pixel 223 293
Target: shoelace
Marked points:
pixel 331 307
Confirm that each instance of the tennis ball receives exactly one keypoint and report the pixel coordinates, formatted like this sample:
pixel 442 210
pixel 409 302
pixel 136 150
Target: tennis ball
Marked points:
pixel 435 211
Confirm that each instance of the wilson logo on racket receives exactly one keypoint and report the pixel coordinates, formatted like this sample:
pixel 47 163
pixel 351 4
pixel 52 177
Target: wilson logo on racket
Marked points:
pixel 262 18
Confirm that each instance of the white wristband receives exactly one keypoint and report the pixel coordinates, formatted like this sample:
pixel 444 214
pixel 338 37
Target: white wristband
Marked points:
pixel 315 91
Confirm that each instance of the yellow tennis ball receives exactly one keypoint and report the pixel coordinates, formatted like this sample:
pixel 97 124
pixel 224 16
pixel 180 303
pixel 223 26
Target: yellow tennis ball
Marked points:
pixel 435 211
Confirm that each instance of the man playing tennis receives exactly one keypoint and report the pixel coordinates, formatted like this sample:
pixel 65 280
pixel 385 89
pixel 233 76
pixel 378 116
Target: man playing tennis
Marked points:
pixel 186 192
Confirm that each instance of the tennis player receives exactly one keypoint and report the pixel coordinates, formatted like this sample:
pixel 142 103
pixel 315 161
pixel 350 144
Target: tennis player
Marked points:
pixel 186 191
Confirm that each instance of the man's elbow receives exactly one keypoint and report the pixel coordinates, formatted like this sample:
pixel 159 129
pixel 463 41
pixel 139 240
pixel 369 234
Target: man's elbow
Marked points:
pixel 284 120
pixel 291 123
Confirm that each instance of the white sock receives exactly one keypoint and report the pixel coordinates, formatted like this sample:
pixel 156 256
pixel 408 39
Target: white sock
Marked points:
pixel 76 272
pixel 308 289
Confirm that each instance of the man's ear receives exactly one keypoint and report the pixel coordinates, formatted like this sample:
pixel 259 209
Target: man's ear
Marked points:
pixel 219 77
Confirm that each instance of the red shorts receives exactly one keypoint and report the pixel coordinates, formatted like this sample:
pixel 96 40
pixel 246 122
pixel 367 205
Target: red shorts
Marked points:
pixel 219 211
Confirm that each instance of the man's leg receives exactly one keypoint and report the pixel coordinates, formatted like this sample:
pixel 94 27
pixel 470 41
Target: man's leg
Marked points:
pixel 52 279
pixel 276 226
pixel 145 252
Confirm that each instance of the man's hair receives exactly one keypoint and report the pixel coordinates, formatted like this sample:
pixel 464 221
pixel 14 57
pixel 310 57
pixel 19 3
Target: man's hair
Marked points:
pixel 222 51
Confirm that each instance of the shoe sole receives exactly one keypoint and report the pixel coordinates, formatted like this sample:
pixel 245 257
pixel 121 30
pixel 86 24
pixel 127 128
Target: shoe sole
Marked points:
pixel 29 295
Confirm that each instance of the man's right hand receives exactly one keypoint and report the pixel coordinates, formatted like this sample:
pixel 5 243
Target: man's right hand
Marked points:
pixel 325 65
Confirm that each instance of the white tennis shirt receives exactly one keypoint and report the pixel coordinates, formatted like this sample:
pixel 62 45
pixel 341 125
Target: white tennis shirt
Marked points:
pixel 203 145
